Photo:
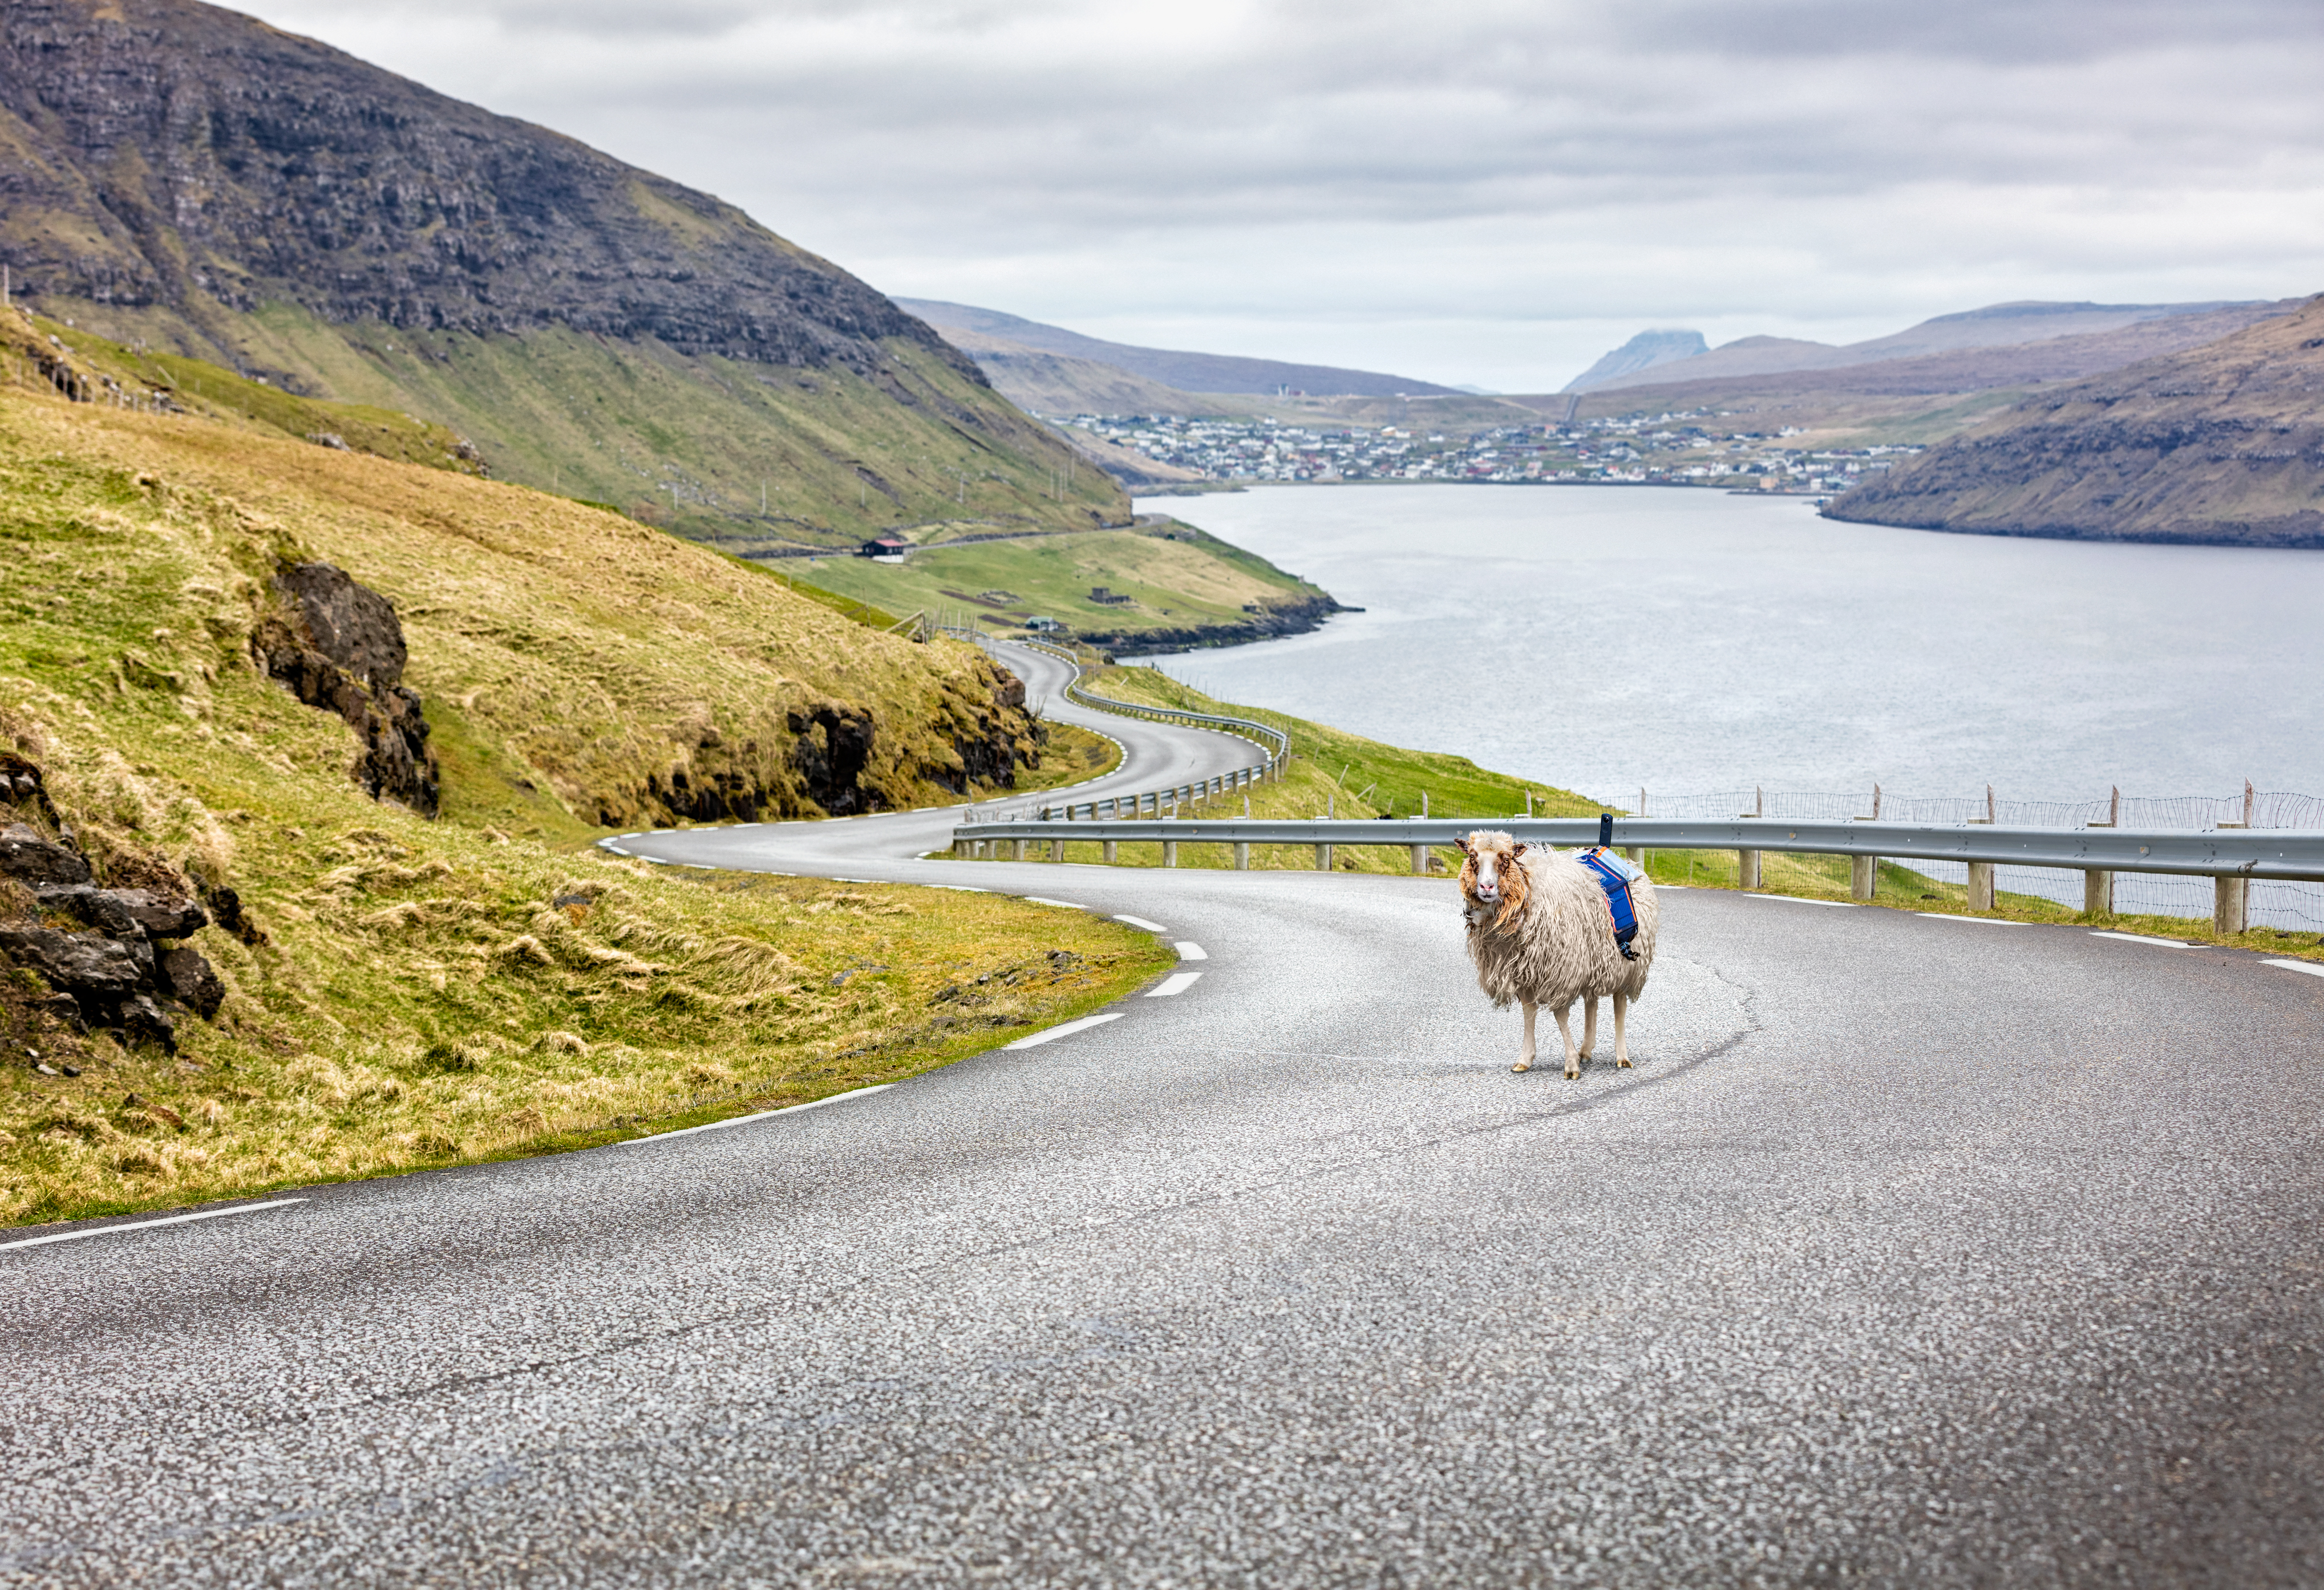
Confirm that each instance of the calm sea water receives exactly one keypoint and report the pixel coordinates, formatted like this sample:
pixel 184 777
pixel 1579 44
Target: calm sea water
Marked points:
pixel 1608 639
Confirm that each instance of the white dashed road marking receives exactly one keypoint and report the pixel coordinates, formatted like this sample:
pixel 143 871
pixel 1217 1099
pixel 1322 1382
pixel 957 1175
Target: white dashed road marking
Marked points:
pixel 2311 967
pixel 2144 939
pixel 1189 951
pixel 1032 1039
pixel 1152 927
pixel 248 1208
pixel 1065 905
pixel 1988 921
pixel 1177 982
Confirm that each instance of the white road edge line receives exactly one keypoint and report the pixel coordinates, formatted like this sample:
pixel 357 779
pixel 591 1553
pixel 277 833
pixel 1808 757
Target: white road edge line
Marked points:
pixel 1152 927
pixel 1061 904
pixel 2142 939
pixel 1177 982
pixel 1988 921
pixel 789 1109
pixel 1190 950
pixel 1797 899
pixel 2310 967
pixel 247 1209
pixel 1032 1040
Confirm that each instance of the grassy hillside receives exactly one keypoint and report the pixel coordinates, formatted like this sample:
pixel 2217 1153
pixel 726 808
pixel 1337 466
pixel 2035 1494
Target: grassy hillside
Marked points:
pixel 405 992
pixel 1180 581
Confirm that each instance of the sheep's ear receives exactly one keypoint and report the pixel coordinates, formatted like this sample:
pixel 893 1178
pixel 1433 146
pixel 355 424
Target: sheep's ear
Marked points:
pixel 1516 850
pixel 1466 848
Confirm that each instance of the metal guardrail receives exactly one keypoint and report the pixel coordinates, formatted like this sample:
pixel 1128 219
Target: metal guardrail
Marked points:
pixel 1161 800
pixel 2249 853
pixel 1267 733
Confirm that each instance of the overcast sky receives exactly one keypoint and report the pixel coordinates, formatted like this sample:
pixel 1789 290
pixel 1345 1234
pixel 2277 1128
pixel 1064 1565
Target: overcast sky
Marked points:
pixel 1482 193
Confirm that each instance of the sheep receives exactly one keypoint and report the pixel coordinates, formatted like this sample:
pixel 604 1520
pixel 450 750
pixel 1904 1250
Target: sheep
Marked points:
pixel 1541 934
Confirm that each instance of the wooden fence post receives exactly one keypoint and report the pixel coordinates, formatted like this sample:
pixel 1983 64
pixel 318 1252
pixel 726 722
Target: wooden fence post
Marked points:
pixel 1981 886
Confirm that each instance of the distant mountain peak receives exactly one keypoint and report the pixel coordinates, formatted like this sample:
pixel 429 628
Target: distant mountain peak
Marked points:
pixel 1642 352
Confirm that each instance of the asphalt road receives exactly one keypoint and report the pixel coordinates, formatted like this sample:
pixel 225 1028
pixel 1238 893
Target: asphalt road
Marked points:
pixel 1915 1251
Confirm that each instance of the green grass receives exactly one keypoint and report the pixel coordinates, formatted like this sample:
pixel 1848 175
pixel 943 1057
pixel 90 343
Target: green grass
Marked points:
pixel 415 993
pixel 744 456
pixel 1178 577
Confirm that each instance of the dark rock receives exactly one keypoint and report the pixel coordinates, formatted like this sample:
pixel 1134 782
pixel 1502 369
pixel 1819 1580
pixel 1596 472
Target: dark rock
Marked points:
pixel 101 909
pixel 28 857
pixel 162 915
pixel 225 910
pixel 79 963
pixel 834 746
pixel 341 649
pixel 64 1007
pixel 143 1021
pixel 190 977
pixel 992 744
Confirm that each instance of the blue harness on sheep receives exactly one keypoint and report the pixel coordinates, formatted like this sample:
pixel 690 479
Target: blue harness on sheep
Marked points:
pixel 1615 874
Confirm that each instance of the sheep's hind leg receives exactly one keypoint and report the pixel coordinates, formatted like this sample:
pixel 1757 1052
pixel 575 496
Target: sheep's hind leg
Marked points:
pixel 1588 1026
pixel 1565 1030
pixel 1621 1032
pixel 1525 1061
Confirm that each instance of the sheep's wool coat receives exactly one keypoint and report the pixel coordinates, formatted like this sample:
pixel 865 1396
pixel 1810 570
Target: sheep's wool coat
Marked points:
pixel 1556 944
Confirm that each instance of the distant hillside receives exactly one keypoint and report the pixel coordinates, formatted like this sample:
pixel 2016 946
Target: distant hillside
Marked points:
pixel 188 178
pixel 1642 352
pixel 1995 327
pixel 2221 443
pixel 1190 373
pixel 1061 386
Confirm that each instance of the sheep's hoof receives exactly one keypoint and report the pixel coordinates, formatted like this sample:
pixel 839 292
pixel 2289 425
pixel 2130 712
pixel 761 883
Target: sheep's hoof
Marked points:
pixel 1523 1065
pixel 1622 1062
pixel 1573 1073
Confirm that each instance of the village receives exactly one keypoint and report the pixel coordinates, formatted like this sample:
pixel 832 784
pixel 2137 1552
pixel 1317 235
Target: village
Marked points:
pixel 1690 449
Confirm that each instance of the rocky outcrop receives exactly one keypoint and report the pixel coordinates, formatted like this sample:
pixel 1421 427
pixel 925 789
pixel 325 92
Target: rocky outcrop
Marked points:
pixel 1294 617
pixel 834 748
pixel 340 646
pixel 2222 444
pixel 106 953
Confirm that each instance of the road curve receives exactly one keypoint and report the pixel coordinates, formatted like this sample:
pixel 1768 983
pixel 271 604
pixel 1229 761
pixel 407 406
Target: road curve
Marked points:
pixel 1913 1250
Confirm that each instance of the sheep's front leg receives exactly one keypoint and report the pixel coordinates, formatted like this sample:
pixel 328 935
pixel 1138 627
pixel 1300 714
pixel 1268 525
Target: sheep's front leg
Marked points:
pixel 1525 1061
pixel 1621 1036
pixel 1565 1030
pixel 1588 1026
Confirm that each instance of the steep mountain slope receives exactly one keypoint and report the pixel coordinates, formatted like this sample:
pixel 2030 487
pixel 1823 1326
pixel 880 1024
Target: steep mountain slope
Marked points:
pixel 2111 334
pixel 1642 352
pixel 2222 444
pixel 1192 372
pixel 182 176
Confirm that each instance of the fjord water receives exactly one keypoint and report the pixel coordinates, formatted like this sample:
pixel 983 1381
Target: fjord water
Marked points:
pixel 1603 639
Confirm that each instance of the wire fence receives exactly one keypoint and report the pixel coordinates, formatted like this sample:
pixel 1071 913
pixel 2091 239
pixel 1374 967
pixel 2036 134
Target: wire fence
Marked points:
pixel 2297 907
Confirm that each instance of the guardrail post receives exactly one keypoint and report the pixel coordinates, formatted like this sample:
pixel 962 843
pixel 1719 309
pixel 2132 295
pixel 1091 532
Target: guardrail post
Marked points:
pixel 1636 853
pixel 2230 904
pixel 1420 858
pixel 1323 858
pixel 1112 851
pixel 1981 886
pixel 2098 892
pixel 1170 852
pixel 1020 849
pixel 1056 849
pixel 1863 874
pixel 1242 855
pixel 1747 869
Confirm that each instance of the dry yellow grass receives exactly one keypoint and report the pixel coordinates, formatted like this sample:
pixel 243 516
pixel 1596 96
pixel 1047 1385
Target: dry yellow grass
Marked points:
pixel 414 993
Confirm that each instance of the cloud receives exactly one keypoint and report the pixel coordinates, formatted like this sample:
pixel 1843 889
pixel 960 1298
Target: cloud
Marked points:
pixel 1302 176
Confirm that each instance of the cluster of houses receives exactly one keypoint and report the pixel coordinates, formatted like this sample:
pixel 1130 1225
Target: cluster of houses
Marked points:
pixel 1693 449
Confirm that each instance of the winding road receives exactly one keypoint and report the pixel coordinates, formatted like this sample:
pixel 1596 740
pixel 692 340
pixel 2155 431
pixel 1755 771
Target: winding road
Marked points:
pixel 1914 1250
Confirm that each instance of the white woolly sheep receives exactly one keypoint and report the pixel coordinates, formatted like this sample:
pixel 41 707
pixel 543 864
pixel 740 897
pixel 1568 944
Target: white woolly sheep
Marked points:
pixel 1541 934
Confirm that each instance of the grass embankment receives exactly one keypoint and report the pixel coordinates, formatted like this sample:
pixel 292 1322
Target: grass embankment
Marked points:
pixel 1176 577
pixel 412 993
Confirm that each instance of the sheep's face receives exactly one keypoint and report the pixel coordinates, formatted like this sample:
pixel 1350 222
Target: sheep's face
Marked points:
pixel 1491 877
